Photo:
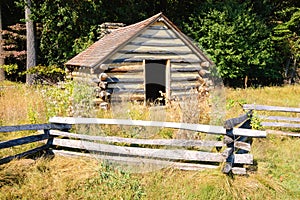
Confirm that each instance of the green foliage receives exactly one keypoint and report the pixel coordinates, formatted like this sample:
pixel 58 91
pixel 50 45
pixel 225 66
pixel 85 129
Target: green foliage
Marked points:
pixel 82 100
pixel 256 121
pixel 66 24
pixel 10 69
pixel 12 72
pixel 237 40
pixel 69 99
pixel 32 116
pixel 230 103
pixel 287 34
pixel 113 183
pixel 46 74
pixel 57 99
pixel 237 34
pixel 166 133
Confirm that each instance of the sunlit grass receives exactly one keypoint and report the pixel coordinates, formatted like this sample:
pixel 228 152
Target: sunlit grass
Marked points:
pixel 287 96
pixel 276 157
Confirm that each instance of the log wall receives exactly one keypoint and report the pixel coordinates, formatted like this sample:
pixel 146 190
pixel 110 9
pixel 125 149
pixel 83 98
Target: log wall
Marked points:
pixel 126 69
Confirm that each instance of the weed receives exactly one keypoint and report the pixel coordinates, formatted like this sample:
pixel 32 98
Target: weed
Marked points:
pixel 255 121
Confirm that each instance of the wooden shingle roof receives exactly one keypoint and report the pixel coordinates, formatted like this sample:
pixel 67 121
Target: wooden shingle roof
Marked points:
pixel 101 50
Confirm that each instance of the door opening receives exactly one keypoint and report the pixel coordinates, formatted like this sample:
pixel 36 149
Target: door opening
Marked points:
pixel 155 81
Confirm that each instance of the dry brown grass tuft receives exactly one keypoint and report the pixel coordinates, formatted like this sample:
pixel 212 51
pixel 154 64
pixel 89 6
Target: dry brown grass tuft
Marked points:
pixel 43 178
pixel 21 104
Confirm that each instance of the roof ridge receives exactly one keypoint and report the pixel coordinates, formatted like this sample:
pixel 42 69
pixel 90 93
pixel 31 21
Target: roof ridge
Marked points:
pixel 140 22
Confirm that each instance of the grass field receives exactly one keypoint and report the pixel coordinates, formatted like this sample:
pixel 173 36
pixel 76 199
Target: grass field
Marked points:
pixel 277 157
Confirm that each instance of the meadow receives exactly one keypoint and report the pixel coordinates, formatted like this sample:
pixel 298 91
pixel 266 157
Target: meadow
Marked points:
pixel 275 175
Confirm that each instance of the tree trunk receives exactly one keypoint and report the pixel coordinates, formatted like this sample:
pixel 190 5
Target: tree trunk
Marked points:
pixel 31 43
pixel 2 74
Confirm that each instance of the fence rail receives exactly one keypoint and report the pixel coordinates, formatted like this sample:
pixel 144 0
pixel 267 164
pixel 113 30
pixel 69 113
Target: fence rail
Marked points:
pixel 209 129
pixel 276 120
pixel 183 154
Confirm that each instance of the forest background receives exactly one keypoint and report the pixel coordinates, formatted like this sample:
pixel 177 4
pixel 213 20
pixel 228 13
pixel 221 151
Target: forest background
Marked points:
pixel 252 42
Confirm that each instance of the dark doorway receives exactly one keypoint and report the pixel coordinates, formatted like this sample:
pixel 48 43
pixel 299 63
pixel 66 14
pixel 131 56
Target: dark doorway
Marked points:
pixel 155 80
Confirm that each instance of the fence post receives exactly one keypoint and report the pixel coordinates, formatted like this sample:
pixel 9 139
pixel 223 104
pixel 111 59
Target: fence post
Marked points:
pixel 230 138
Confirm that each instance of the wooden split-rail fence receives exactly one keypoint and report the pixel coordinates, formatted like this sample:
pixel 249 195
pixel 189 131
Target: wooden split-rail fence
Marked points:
pixel 233 151
pixel 280 118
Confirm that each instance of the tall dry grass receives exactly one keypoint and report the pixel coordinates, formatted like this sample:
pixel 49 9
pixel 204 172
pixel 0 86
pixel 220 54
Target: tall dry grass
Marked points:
pixel 21 104
pixel 276 177
pixel 288 96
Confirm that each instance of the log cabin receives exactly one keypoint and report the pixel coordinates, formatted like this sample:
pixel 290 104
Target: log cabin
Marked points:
pixel 144 61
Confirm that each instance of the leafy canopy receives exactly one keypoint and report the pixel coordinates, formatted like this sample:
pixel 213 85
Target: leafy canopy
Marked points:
pixel 236 39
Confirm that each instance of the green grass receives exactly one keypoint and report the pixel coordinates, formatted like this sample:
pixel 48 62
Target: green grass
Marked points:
pixel 277 158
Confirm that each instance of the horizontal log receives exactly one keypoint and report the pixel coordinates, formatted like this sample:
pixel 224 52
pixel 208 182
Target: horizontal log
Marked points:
pixel 158 37
pixel 112 80
pixel 158 142
pixel 186 155
pixel 29 127
pixel 280 118
pixel 158 26
pixel 187 69
pixel 243 159
pixel 184 84
pixel 280 124
pixel 23 140
pixel 126 86
pixel 146 163
pixel 165 154
pixel 128 91
pixel 140 59
pixel 154 57
pixel 24 154
pixel 230 123
pixel 185 65
pixel 270 108
pixel 133 48
pixel 242 145
pixel 120 76
pixel 192 127
pixel 134 69
pixel 276 132
pixel 183 88
pixel 188 78
pixel 157 44
pixel 159 33
pixel 211 129
pixel 125 68
pixel 121 97
pixel 146 40
pixel 155 52
pixel 239 171
pixel 185 75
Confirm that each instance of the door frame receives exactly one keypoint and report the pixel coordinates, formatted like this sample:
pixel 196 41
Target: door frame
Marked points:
pixel 167 79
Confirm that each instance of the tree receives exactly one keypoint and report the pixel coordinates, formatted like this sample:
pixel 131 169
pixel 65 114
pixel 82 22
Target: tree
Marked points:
pixel 238 42
pixel 64 23
pixel 30 42
pixel 2 74
pixel 287 34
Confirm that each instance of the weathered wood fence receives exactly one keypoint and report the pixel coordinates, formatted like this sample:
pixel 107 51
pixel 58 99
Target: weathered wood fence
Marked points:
pixel 179 153
pixel 275 116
